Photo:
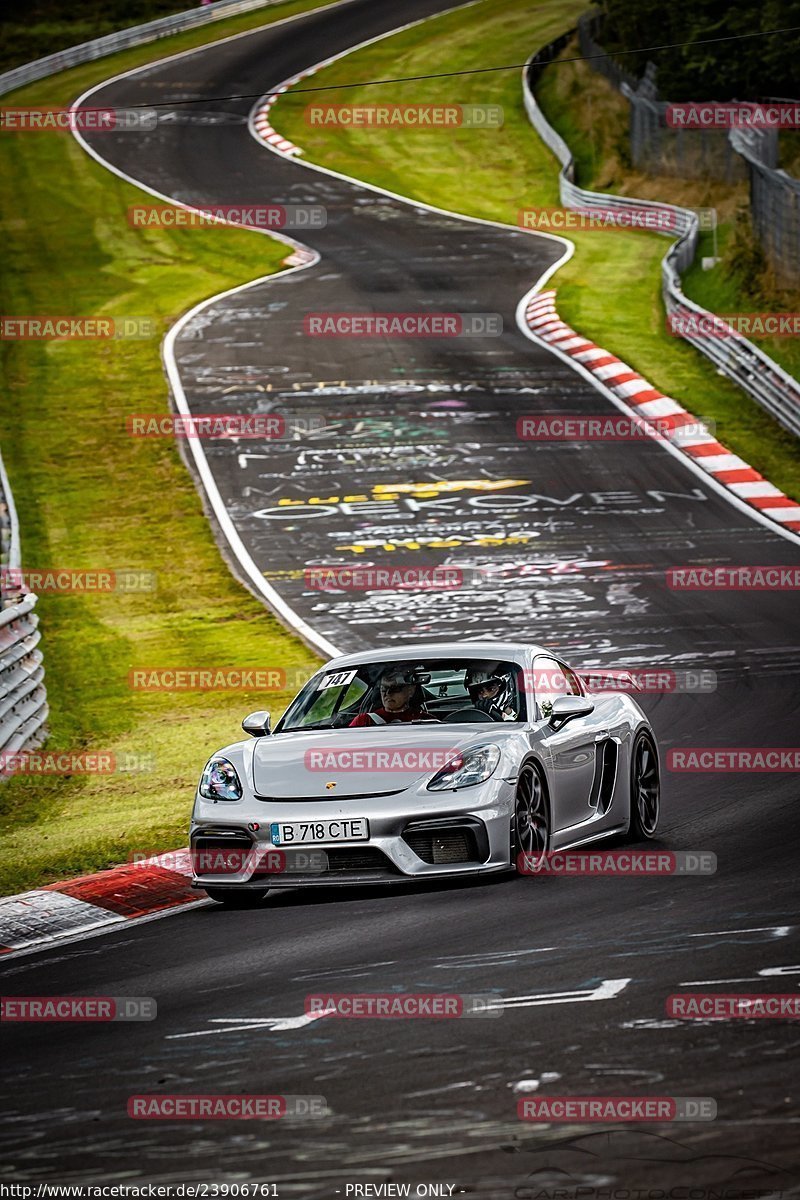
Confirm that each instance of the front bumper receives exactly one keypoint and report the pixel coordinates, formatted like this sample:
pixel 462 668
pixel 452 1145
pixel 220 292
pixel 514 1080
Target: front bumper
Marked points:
pixel 451 834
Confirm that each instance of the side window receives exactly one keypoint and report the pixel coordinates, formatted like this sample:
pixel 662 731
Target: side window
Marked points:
pixel 552 679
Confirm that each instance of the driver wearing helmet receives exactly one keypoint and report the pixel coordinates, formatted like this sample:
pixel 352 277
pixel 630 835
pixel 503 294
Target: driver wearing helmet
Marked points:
pixel 491 693
pixel 401 699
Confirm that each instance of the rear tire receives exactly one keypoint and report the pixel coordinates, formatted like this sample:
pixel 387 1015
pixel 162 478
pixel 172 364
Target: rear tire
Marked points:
pixel 531 819
pixel 645 789
pixel 236 898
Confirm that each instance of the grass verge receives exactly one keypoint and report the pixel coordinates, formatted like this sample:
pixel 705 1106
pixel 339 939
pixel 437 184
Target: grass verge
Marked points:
pixel 610 290
pixel 91 497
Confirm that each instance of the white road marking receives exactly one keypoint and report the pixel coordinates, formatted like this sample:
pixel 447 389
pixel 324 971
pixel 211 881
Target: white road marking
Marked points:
pixel 604 991
pixel 237 1024
pixel 775 930
pixel 532 1085
pixel 709 982
pixel 488 958
pixel 793 970
pixel 651 1023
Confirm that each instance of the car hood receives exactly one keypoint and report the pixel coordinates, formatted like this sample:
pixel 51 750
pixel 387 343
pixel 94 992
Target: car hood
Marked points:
pixel 360 762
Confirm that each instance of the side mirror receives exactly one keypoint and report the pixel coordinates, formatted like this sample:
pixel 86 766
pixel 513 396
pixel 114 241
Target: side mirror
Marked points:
pixel 257 724
pixel 566 708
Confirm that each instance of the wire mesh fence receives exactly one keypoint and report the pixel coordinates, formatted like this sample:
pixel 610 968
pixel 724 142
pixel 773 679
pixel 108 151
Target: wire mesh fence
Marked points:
pixel 729 155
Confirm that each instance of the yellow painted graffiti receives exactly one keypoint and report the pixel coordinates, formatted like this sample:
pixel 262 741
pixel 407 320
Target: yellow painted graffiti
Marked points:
pixel 436 543
pixel 392 491
pixel 431 488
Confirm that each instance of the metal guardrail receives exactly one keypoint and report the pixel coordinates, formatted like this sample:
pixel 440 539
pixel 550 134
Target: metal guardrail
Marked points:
pixel 135 35
pixel 753 370
pixel 23 698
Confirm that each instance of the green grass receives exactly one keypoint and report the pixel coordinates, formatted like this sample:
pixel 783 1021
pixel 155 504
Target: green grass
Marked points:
pixel 610 290
pixel 89 496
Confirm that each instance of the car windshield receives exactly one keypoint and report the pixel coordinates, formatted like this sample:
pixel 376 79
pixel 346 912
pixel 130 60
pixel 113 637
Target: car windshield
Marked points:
pixel 383 693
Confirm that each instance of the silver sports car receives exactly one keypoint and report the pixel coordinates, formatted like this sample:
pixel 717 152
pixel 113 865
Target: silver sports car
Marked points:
pixel 464 758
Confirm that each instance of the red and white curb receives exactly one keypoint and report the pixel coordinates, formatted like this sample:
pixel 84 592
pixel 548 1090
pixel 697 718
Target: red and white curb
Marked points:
pixel 96 902
pixel 673 419
pixel 262 124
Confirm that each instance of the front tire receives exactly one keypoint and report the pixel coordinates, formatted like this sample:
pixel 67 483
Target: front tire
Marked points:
pixel 645 789
pixel 236 898
pixel 531 819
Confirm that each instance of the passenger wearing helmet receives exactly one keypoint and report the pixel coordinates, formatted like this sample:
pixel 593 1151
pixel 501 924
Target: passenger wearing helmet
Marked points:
pixel 491 693
pixel 401 699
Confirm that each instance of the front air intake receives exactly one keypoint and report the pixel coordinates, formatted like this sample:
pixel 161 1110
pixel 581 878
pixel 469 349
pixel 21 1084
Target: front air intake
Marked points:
pixel 448 840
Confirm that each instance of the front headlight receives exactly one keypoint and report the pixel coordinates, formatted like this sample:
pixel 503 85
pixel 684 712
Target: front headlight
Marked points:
pixel 219 780
pixel 474 766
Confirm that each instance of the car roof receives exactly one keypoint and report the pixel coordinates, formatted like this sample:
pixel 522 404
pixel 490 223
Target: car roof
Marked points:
pixel 461 649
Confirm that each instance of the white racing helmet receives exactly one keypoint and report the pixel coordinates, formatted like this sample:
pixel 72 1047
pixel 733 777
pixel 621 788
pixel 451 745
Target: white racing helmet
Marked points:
pixel 478 678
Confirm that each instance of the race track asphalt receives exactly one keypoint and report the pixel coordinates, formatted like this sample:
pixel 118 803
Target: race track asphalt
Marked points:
pixel 578 538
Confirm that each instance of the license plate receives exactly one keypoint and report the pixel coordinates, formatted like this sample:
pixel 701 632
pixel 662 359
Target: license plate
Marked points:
pixel 302 832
